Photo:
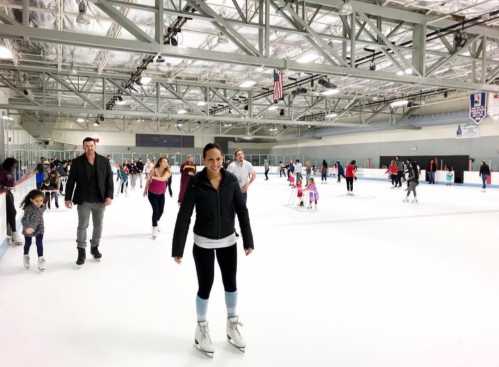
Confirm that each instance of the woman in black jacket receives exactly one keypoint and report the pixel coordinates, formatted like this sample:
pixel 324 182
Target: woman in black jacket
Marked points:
pixel 217 197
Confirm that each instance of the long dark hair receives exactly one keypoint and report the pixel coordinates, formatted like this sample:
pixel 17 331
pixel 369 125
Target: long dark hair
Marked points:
pixel 158 162
pixel 9 164
pixel 31 195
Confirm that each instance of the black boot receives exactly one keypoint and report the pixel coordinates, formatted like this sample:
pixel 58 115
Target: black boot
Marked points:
pixel 95 253
pixel 81 256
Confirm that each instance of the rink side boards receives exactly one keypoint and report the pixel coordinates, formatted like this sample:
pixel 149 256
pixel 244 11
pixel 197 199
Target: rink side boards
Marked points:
pixel 471 178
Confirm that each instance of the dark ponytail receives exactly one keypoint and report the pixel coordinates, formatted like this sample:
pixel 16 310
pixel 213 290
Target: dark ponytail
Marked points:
pixel 31 195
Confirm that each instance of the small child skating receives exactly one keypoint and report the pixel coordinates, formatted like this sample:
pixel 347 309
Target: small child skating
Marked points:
pixel 313 194
pixel 291 181
pixel 32 222
pixel 299 193
pixel 449 176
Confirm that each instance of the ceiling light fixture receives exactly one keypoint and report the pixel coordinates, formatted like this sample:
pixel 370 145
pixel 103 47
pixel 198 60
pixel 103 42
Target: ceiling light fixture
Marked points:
pixel 399 103
pixel 330 92
pixel 6 53
pixel 308 57
pixel 331 115
pixel 346 8
pixel 201 103
pixel 82 17
pixel 145 80
pixel 247 84
pixel 80 120
pixel 181 111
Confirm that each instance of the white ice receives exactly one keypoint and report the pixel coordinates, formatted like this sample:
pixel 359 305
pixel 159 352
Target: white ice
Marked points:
pixel 363 281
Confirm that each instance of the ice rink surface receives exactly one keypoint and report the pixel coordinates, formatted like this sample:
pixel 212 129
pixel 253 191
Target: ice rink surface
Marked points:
pixel 364 281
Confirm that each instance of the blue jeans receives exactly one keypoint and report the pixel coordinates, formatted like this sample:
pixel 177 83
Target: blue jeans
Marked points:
pixel 484 181
pixel 432 177
pixel 39 244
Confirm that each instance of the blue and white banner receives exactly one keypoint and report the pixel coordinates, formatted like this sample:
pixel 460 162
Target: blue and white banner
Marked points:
pixel 478 106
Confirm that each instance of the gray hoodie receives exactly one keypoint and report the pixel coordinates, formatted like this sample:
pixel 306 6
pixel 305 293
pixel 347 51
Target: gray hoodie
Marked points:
pixel 33 218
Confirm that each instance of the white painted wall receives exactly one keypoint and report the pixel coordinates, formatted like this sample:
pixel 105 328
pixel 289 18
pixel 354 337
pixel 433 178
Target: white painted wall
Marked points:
pixel 488 128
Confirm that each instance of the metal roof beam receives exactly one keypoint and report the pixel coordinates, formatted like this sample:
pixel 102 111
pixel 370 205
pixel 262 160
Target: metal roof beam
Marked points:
pixel 85 40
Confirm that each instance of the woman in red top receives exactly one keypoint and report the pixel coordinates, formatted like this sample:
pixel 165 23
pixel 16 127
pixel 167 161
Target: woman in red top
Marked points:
pixel 187 170
pixel 393 170
pixel 350 176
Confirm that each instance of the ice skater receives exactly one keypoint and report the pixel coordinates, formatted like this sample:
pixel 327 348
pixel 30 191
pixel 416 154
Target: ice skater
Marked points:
pixel 340 172
pixel 449 176
pixel 32 221
pixel 350 176
pixel 324 169
pixel 313 194
pixel 187 170
pixel 412 181
pixel 484 174
pixel 155 191
pixel 299 193
pixel 393 171
pixel 93 177
pixel 217 197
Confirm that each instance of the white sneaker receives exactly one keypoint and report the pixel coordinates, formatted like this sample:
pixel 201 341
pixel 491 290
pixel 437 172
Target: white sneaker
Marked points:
pixel 202 339
pixel 234 336
pixel 26 261
pixel 41 263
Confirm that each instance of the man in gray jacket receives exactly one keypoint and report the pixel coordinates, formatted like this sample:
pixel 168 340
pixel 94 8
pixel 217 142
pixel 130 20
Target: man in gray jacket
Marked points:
pixel 93 177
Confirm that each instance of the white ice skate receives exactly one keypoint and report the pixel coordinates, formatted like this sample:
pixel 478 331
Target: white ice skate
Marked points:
pixel 234 336
pixel 26 261
pixel 202 339
pixel 154 232
pixel 414 201
pixel 41 263
pixel 406 200
pixel 16 239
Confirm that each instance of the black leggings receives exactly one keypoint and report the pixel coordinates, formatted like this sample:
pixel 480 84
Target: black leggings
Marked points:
pixel 349 183
pixel 158 205
pixel 39 244
pixel 11 211
pixel 52 195
pixel 205 268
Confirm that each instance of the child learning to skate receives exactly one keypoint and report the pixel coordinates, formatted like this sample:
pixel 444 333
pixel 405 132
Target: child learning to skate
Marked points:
pixel 313 194
pixel 32 222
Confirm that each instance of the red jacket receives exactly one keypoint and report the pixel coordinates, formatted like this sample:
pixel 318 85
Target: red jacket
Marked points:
pixel 393 169
pixel 350 171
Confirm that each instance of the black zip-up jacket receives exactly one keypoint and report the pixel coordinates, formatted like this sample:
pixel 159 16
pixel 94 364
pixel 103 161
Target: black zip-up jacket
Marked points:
pixel 215 211
pixel 78 176
pixel 484 170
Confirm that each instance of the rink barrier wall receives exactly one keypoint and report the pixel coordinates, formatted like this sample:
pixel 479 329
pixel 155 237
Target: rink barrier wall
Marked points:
pixel 20 190
pixel 471 178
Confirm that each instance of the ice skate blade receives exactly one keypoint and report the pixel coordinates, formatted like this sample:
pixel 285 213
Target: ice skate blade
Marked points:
pixel 204 352
pixel 241 349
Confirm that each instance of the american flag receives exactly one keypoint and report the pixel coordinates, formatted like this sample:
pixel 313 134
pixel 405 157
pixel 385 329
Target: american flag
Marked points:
pixel 278 86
